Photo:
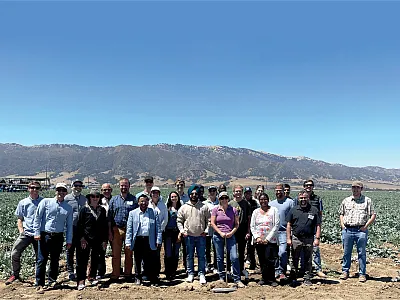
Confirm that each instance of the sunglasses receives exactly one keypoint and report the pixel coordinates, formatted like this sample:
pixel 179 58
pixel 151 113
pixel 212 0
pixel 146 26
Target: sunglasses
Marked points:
pixel 106 190
pixel 95 196
pixel 78 185
pixel 148 181
pixel 62 190
pixel 34 188
pixel 224 198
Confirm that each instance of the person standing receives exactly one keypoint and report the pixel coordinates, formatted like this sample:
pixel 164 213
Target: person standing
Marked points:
pixel 303 232
pixel 118 213
pixel 259 191
pixel 148 184
pixel 192 222
pixel 356 215
pixel 92 235
pixel 77 201
pixel 284 205
pixel 243 232
pixel 286 190
pixel 211 202
pixel 180 188
pixel 225 222
pixel 264 227
pixel 144 237
pixel 254 204
pixel 172 237
pixel 25 213
pixel 52 216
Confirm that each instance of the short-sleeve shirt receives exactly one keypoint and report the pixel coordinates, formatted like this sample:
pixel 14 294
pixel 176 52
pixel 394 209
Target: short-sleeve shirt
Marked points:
pixel 283 206
pixel 356 212
pixel 225 221
pixel 244 211
pixel 304 220
pixel 25 211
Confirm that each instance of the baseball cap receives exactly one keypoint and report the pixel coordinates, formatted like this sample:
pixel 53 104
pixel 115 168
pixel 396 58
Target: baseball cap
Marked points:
pixel 247 189
pixel 61 185
pixel 223 194
pixel 149 178
pixel 212 187
pixel 155 188
pixel 357 183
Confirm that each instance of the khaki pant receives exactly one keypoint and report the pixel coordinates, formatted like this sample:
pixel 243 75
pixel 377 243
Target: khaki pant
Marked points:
pixel 117 242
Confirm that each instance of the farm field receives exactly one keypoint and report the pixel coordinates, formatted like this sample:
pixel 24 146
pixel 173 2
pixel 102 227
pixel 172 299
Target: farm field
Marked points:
pixel 383 256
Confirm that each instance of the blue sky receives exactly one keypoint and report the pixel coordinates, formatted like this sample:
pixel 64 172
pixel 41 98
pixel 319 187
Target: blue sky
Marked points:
pixel 315 79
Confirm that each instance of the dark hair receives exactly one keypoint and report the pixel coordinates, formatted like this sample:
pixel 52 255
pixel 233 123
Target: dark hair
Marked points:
pixel 286 186
pixel 169 202
pixel 309 180
pixel 143 196
pixel 260 186
pixel 302 193
pixel 263 194
pixel 222 188
pixel 279 184
pixel 36 183
pixel 124 179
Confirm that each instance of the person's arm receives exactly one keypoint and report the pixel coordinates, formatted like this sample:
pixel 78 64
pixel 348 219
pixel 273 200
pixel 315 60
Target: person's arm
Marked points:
pixel 180 221
pixel 253 228
pixel 275 228
pixel 232 232
pixel 341 215
pixel 69 229
pixel 342 222
pixel 214 225
pixel 317 235
pixel 81 228
pixel 165 217
pixel 158 230
pixel 248 221
pixel 129 231
pixel 369 222
pixel 37 221
pixel 110 218
pixel 20 225
pixel 289 233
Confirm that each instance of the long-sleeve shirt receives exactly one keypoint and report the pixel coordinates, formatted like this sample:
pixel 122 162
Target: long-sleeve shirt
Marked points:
pixel 265 226
pixel 162 211
pixel 53 216
pixel 76 202
pixel 119 208
pixel 93 224
pixel 193 218
pixel 25 211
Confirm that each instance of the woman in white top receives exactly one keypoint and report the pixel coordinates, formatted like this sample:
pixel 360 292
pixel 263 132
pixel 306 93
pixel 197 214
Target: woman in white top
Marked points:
pixel 264 227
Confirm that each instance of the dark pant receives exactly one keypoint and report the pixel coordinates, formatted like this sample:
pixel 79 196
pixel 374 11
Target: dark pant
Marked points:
pixel 49 245
pixel 71 251
pixel 101 266
pixel 171 251
pixel 22 242
pixel 144 253
pixel 93 249
pixel 267 255
pixel 300 245
pixel 251 257
pixel 209 245
pixel 184 254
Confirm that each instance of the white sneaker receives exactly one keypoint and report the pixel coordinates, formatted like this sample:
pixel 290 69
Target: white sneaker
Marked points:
pixel 203 279
pixel 215 271
pixel 81 287
pixel 190 278
pixel 245 274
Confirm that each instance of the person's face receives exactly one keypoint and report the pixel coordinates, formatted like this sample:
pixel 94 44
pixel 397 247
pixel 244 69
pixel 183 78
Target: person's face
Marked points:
pixel 308 187
pixel 180 186
pixel 155 195
pixel 124 186
pixel 304 198
pixel 34 191
pixel 61 193
pixel 279 192
pixel 174 198
pixel 212 193
pixel 224 200
pixel 286 191
pixel 248 195
pixel 77 187
pixel 259 191
pixel 149 184
pixel 143 203
pixel 94 199
pixel 201 191
pixel 263 201
pixel 238 193
pixel 194 196
pixel 356 191
pixel 106 190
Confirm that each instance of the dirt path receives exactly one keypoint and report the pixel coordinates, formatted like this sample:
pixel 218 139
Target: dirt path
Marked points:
pixel 379 286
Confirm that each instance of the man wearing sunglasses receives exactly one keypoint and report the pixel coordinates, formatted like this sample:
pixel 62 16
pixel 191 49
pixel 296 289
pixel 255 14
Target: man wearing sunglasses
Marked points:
pixel 77 201
pixel 52 216
pixel 25 213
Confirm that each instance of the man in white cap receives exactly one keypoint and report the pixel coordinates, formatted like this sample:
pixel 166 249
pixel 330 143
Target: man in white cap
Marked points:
pixel 356 215
pixel 77 201
pixel 52 216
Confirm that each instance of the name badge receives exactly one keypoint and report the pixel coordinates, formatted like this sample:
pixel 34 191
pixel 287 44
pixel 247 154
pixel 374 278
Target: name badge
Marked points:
pixel 129 202
pixel 311 217
pixel 151 221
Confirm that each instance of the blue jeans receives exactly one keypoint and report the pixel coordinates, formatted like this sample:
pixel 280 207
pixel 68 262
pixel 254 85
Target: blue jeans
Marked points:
pixel 198 242
pixel 281 263
pixel 317 259
pixel 219 243
pixel 349 237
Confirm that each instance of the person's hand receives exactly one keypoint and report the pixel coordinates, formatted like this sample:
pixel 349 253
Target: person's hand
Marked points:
pixel 316 242
pixel 258 240
pixel 128 247
pixel 185 234
pixel 247 236
pixel 158 245
pixel 228 235
pixel 83 243
pixel 363 228
pixel 203 234
pixel 69 245
pixel 179 238
pixel 222 234
pixel 289 241
pixel 104 245
pixel 110 236
pixel 37 237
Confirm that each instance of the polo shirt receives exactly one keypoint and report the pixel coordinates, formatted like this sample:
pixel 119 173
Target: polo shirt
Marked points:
pixel 304 220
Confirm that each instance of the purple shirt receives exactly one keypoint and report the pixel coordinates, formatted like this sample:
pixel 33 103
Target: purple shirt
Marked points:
pixel 224 221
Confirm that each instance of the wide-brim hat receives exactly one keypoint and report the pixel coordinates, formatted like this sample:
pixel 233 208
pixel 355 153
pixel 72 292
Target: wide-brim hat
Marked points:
pixel 94 192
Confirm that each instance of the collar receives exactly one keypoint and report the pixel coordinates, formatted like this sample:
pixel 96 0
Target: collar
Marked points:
pixel 357 199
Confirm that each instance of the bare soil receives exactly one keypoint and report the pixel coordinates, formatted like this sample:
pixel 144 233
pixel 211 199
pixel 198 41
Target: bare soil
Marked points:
pixel 378 286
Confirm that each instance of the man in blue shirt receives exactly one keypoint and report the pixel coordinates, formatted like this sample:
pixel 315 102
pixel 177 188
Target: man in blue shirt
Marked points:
pixel 25 212
pixel 118 212
pixel 284 205
pixel 52 216
pixel 77 201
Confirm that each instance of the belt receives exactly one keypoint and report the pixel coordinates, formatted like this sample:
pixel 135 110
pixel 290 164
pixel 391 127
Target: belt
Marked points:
pixel 52 233
pixel 354 226
pixel 142 237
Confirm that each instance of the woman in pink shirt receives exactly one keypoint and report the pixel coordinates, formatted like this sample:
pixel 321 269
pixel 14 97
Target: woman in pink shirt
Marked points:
pixel 225 222
pixel 264 226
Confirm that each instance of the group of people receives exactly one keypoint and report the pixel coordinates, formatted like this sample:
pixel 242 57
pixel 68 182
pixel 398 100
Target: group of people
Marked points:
pixel 275 230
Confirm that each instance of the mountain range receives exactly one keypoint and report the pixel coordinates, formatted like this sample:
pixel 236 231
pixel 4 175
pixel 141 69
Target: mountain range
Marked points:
pixel 168 162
